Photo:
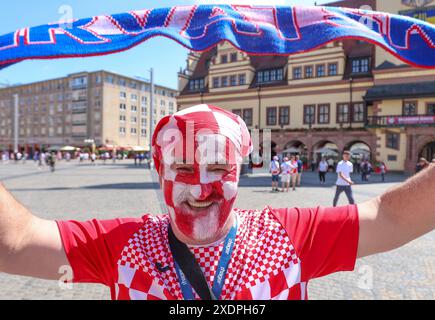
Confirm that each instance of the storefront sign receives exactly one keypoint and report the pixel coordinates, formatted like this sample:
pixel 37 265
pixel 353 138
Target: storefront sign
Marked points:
pixel 411 120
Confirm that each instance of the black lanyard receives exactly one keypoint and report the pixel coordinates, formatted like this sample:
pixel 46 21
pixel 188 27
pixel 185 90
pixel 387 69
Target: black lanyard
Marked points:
pixel 189 272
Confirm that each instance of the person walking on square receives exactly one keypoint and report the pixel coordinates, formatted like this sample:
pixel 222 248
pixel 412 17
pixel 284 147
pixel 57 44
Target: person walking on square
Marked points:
pixel 285 175
pixel 369 170
pixel 293 172
pixel 52 161
pixel 323 169
pixel 275 170
pixel 300 170
pixel 313 164
pixel 383 168
pixel 344 182
pixel 364 170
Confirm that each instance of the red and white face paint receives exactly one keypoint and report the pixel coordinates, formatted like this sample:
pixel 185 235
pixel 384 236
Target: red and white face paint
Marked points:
pixel 198 153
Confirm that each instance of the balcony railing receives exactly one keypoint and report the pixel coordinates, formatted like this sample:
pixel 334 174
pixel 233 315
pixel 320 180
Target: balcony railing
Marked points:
pixel 401 121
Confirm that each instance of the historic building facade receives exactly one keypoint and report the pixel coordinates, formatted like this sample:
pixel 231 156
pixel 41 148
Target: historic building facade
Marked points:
pixel 105 107
pixel 346 95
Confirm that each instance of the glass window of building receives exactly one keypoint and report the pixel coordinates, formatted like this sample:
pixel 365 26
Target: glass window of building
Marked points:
pixel 233 81
pixel 247 117
pixel 410 108
pixel 215 82
pixel 323 113
pixel 360 65
pixel 271 116
pixel 343 113
pixel 242 79
pixel 196 84
pixel 309 72
pixel 237 112
pixel 297 73
pixel 284 115
pixel 358 112
pixel 272 75
pixel 332 69
pixel 392 140
pixel 224 81
pixel 320 70
pixel 309 114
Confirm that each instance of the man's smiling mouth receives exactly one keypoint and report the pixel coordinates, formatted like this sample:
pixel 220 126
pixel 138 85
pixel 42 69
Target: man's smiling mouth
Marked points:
pixel 199 204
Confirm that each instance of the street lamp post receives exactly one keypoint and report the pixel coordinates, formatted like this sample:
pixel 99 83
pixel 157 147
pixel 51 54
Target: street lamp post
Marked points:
pixel 351 111
pixel 259 106
pixel 151 111
pixel 16 119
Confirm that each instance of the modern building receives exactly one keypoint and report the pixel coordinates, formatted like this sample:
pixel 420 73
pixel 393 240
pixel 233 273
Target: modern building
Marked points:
pixel 346 95
pixel 104 107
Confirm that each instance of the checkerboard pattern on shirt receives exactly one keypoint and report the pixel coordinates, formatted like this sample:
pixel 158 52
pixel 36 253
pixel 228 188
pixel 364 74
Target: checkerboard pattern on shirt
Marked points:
pixel 264 264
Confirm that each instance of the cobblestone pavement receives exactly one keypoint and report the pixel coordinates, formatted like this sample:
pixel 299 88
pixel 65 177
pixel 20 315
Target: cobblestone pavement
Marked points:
pixel 81 192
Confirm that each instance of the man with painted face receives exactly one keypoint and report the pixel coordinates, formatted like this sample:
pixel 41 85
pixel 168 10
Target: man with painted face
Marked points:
pixel 226 253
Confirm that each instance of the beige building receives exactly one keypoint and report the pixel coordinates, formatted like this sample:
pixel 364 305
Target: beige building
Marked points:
pixel 109 108
pixel 346 95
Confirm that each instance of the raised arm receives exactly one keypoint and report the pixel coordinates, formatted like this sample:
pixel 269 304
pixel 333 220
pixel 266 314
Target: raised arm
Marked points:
pixel 399 216
pixel 29 246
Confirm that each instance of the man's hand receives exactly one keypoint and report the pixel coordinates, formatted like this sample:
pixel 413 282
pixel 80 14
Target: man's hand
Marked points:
pixel 350 182
pixel 399 216
pixel 29 246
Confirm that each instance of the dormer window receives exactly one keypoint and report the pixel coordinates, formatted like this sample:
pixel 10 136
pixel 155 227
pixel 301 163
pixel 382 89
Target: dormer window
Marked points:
pixel 360 65
pixel 271 75
pixel 233 57
pixel 196 84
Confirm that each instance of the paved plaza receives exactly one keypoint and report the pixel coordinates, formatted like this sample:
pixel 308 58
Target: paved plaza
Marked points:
pixel 82 191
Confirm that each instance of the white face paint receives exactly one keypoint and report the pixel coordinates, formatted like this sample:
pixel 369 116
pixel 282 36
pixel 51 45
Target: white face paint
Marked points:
pixel 202 199
pixel 230 190
pixel 204 223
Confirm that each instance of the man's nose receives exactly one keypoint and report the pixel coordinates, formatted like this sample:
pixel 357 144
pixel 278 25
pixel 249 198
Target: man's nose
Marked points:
pixel 206 191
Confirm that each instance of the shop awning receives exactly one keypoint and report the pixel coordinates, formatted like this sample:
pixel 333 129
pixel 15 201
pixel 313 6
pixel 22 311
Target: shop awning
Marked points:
pixel 140 149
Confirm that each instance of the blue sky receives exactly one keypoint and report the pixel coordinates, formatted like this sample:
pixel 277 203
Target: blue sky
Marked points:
pixel 165 56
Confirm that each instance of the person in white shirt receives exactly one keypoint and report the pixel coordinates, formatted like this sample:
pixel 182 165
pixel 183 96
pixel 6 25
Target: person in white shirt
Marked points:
pixel 323 169
pixel 344 182
pixel 285 174
pixel 275 170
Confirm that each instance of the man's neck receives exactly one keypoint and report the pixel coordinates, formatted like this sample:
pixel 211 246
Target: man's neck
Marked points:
pixel 212 240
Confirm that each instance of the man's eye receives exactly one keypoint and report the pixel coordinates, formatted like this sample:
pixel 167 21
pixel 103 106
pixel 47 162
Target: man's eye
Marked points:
pixel 184 169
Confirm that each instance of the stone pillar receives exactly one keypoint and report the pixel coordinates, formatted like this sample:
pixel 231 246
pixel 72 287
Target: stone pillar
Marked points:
pixel 411 153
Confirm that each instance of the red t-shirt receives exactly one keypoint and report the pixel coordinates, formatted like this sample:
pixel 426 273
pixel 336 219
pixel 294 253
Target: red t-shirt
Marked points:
pixel 276 253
